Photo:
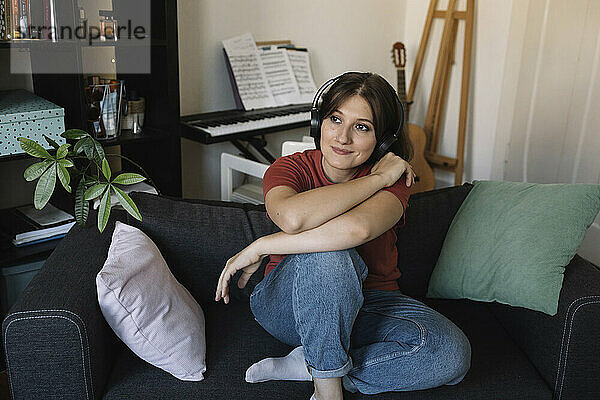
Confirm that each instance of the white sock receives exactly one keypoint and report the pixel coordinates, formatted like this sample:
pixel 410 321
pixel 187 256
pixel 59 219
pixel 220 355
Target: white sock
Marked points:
pixel 289 368
pixel 313 397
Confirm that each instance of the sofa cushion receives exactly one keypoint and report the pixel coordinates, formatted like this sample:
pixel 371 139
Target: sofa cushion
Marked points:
pixel 235 341
pixel 420 240
pixel 509 242
pixel 498 370
pixel 152 313
pixel 197 237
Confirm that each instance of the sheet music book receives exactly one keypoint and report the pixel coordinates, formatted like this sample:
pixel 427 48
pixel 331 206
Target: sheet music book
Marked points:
pixel 267 77
pixel 280 76
pixel 301 66
pixel 248 72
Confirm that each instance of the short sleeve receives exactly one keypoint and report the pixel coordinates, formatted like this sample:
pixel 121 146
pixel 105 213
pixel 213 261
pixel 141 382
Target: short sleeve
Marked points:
pixel 402 192
pixel 284 172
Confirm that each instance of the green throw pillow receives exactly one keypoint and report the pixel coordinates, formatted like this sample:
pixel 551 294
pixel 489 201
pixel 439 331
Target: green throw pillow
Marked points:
pixel 510 241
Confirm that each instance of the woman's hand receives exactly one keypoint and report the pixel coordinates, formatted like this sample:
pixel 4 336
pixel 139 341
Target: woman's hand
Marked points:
pixel 391 167
pixel 247 260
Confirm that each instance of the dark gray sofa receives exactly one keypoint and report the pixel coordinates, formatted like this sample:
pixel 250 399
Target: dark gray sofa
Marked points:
pixel 59 346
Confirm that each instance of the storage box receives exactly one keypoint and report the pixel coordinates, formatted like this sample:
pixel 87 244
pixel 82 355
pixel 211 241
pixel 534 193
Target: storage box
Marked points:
pixel 23 114
pixel 13 280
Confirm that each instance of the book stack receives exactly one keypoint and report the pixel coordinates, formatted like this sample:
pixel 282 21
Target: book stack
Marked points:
pixel 27 19
pixel 26 225
pixel 5 20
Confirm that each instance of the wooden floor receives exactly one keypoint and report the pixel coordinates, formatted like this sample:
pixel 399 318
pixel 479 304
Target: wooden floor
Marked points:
pixel 4 395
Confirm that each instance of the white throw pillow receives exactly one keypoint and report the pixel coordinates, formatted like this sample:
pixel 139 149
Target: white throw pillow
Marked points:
pixel 152 313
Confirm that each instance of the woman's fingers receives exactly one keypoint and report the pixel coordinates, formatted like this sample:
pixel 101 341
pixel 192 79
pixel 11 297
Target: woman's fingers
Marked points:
pixel 244 278
pixel 247 261
pixel 410 174
pixel 219 283
pixel 410 177
pixel 223 283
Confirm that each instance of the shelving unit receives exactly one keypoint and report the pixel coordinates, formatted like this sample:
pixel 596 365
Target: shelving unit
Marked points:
pixel 157 149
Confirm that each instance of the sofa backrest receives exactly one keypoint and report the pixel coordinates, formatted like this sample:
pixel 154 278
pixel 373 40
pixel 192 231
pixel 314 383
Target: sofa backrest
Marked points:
pixel 428 218
pixel 197 237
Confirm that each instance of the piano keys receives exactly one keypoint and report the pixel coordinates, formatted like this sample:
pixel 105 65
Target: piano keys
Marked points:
pixel 221 126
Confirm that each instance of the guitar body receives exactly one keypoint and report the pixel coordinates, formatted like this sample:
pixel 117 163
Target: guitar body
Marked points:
pixel 426 178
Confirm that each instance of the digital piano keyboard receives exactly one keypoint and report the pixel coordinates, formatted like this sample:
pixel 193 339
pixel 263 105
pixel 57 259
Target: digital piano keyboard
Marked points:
pixel 228 125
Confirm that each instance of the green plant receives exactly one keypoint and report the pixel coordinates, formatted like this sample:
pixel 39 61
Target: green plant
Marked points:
pixel 94 177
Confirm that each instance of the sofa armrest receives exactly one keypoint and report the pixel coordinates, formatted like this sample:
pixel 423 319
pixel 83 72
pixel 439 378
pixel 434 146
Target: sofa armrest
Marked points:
pixel 564 347
pixel 56 340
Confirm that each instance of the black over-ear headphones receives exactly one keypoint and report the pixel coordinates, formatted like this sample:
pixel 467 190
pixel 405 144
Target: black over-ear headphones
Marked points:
pixel 315 122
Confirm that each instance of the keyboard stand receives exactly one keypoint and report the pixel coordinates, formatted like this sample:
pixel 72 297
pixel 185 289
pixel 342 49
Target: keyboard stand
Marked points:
pixel 259 144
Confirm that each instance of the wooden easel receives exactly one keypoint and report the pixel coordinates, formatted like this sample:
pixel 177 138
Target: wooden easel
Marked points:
pixel 437 99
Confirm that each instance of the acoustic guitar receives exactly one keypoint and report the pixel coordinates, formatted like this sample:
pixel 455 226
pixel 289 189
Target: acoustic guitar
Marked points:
pixel 425 178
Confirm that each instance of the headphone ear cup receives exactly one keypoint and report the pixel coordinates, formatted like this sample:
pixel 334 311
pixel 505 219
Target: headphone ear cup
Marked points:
pixel 383 147
pixel 388 141
pixel 315 127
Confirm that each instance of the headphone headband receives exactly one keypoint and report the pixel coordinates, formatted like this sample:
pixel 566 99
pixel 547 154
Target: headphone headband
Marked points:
pixel 315 121
pixel 323 88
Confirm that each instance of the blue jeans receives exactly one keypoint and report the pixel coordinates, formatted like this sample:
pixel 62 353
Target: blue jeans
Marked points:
pixel 376 340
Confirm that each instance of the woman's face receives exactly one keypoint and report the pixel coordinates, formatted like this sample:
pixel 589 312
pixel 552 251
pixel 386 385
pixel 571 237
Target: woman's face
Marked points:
pixel 347 138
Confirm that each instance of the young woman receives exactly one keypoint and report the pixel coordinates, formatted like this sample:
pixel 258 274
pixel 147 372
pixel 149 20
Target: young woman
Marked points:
pixel 330 288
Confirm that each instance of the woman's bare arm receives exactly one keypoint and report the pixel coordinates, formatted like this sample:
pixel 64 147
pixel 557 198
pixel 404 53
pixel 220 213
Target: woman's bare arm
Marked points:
pixel 297 212
pixel 359 225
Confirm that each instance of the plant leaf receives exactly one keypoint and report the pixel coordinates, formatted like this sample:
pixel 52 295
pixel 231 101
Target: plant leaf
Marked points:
pixel 89 181
pixel 33 149
pixel 36 170
pixel 87 144
pixel 127 203
pixel 104 210
pixel 62 151
pixel 106 169
pixel 64 177
pixel 66 163
pixel 51 142
pixel 45 187
pixel 74 134
pixel 128 178
pixel 99 151
pixel 94 191
pixel 82 207
pixel 78 148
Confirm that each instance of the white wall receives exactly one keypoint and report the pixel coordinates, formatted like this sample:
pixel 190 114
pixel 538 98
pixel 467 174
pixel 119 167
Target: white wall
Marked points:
pixel 551 92
pixel 341 35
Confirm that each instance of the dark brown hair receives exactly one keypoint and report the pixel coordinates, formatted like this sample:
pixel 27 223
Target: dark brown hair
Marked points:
pixel 382 99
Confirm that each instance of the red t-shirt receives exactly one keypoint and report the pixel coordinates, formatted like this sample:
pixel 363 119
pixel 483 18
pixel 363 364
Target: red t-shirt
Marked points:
pixel 304 171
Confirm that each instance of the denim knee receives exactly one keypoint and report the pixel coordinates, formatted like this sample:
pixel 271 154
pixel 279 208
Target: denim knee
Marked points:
pixel 458 356
pixel 335 265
